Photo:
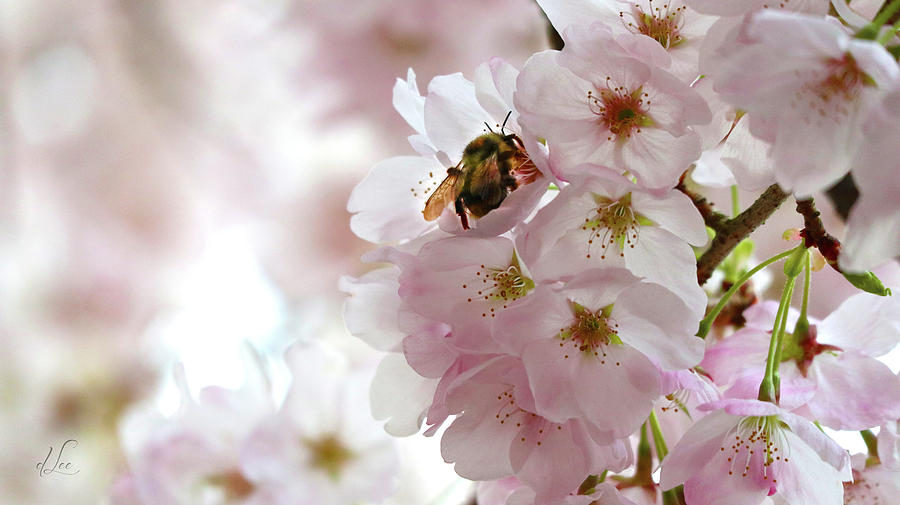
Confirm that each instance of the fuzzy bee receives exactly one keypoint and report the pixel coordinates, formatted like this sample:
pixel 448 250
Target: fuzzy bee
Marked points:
pixel 483 178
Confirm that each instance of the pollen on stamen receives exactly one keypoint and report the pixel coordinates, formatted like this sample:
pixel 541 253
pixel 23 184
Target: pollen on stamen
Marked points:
pixel 757 440
pixel 661 24
pixel 621 111
pixel 612 223
pixel 678 401
pixel 507 409
pixel 590 333
pixel 500 284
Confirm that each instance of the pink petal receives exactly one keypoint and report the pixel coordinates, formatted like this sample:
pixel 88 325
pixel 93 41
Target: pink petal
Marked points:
pixel 855 392
pixel 808 480
pixel 695 449
pixel 675 213
pixel 662 330
pixel 615 392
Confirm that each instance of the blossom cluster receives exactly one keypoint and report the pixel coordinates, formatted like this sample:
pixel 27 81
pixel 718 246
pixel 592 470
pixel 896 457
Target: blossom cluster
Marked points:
pixel 241 446
pixel 540 300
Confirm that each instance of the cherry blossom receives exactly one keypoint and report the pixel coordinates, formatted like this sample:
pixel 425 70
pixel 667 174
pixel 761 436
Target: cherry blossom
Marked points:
pixel 677 28
pixel 326 454
pixel 611 107
pixel 683 392
pixel 731 154
pixel 590 348
pixel 546 335
pixel 808 94
pixel 831 369
pixel 465 282
pixel 873 483
pixel 745 450
pixel 873 235
pixel 609 221
pixel 498 434
pixel 386 329
pixel 195 456
pixel 455 112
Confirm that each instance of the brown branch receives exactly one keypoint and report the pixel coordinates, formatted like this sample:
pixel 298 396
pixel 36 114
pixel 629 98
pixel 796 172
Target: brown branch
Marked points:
pixel 713 218
pixel 814 234
pixel 736 229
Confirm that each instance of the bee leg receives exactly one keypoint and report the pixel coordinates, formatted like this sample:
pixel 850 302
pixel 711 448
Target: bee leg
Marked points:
pixel 461 212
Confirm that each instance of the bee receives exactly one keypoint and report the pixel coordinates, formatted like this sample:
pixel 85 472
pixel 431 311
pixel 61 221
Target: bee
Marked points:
pixel 485 175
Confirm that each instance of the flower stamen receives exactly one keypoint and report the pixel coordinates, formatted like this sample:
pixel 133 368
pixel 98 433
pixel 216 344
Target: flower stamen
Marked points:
pixel 623 112
pixel 761 443
pixel 613 222
pixel 661 24
pixel 591 332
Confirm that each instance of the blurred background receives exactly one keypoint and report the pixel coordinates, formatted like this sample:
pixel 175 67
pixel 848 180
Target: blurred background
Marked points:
pixel 173 183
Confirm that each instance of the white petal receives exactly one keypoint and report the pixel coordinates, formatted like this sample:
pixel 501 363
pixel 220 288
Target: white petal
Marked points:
pixel 673 212
pixel 662 258
pixel 370 312
pixel 864 322
pixel 388 204
pixel 409 103
pixel 400 395
pixel 453 117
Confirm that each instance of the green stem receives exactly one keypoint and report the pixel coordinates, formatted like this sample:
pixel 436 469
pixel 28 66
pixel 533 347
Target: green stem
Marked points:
pixel 886 12
pixel 661 449
pixel 588 485
pixel 870 31
pixel 807 274
pixel 871 446
pixel 776 377
pixel 802 326
pixel 889 34
pixel 735 201
pixel 707 321
pixel 671 497
pixel 871 441
pixel 645 457
pixel 767 389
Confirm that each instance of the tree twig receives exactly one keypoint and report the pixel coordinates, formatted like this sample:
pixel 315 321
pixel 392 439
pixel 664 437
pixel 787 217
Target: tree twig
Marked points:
pixel 734 230
pixel 713 218
pixel 814 234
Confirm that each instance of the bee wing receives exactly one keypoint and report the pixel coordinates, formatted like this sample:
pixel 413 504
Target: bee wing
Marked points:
pixel 445 193
pixel 486 180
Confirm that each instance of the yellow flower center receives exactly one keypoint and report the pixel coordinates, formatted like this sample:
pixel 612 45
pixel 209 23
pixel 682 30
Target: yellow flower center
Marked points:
pixel 329 455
